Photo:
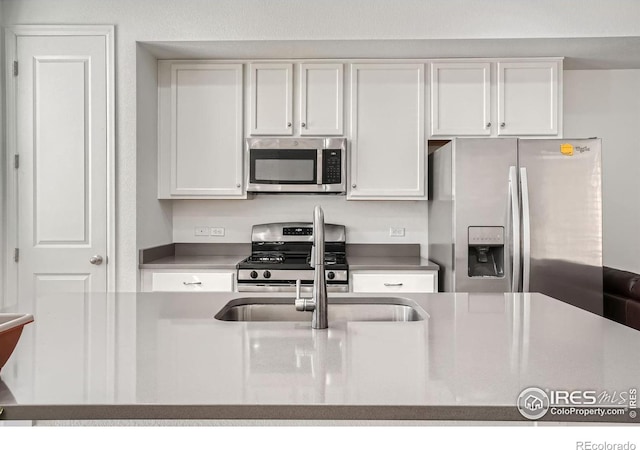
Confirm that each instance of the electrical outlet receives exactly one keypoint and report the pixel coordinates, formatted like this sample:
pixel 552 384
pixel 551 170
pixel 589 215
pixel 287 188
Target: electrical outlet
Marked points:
pixel 396 231
pixel 217 231
pixel 202 231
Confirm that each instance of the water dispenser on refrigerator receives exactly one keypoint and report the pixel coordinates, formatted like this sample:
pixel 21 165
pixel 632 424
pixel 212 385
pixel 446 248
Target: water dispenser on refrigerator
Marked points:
pixel 486 252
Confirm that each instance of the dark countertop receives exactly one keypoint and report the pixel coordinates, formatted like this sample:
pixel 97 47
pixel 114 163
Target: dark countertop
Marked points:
pixel 195 262
pixel 226 256
pixel 390 263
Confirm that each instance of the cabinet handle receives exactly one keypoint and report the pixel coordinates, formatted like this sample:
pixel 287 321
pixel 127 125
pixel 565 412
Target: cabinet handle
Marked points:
pixel 353 185
pixel 393 284
pixel 191 283
pixel 488 125
pixel 502 125
pixel 238 185
pixel 288 124
pixel 303 125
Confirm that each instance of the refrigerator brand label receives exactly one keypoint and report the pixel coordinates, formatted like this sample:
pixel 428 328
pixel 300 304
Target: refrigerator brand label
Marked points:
pixel 566 149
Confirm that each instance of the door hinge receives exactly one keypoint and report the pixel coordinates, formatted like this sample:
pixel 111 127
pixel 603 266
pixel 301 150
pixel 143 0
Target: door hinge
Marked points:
pixel 15 68
pixel 16 161
pixel 16 254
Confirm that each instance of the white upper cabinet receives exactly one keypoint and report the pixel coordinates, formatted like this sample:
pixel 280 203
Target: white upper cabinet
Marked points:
pixel 200 130
pixel 321 99
pixel 528 98
pixel 511 98
pixel 271 108
pixel 387 132
pixel 461 99
pixel 319 88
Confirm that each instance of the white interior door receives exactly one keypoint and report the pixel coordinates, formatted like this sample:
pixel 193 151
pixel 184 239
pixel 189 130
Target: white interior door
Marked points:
pixel 61 137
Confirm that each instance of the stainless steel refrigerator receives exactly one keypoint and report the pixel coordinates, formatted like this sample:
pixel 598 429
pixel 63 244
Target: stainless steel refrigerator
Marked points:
pixel 518 215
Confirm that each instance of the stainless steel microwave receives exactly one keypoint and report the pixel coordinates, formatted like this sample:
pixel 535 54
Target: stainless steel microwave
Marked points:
pixel 291 165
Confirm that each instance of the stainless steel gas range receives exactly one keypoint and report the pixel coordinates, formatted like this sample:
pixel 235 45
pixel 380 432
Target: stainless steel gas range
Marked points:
pixel 280 255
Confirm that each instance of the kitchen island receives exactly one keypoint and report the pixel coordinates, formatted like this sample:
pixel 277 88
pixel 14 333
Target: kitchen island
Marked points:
pixel 164 356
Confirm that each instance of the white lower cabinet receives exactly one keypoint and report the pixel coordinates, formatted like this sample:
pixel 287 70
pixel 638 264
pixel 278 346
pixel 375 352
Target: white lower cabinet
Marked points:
pixel 188 281
pixel 376 281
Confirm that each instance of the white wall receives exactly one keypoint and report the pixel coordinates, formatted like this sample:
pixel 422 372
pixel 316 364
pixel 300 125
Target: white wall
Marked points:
pixel 366 221
pixel 2 166
pixel 199 20
pixel 606 104
pixel 154 217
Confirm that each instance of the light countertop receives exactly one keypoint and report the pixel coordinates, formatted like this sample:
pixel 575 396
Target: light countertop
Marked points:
pixel 164 356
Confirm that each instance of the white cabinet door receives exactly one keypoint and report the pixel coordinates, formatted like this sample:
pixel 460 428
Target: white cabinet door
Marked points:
pixel 185 280
pixel 394 281
pixel 271 99
pixel 202 153
pixel 387 131
pixel 528 94
pixel 461 99
pixel 321 99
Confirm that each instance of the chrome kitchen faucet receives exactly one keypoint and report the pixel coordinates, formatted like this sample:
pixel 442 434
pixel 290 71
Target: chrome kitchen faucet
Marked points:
pixel 318 302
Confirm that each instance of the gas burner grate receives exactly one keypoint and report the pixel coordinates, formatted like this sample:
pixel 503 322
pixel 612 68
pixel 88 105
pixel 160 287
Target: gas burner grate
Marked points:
pixel 267 258
pixel 330 259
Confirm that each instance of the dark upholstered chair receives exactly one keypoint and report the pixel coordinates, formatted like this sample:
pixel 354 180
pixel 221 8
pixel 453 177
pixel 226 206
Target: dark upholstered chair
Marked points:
pixel 622 297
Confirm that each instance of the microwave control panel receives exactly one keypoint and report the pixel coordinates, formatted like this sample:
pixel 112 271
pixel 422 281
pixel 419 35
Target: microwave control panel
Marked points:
pixel 331 166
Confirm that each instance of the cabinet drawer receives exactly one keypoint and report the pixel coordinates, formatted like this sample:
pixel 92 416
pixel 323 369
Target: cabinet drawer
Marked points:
pixel 394 282
pixel 192 282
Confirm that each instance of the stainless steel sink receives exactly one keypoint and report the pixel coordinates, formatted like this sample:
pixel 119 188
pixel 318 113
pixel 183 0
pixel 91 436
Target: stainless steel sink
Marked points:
pixel 379 309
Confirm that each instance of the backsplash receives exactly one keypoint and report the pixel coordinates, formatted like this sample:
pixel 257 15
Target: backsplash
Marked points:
pixel 366 221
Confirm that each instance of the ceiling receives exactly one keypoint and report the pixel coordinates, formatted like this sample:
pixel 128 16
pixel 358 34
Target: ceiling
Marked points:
pixel 579 53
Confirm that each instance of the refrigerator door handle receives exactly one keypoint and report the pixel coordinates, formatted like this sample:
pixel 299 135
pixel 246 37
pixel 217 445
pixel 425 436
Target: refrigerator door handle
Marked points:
pixel 515 228
pixel 526 230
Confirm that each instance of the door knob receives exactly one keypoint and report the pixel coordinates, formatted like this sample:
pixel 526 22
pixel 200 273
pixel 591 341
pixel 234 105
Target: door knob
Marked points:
pixel 96 260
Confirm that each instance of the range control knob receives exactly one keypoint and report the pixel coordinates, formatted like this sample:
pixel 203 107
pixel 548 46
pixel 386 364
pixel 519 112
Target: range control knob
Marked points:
pixel 331 275
pixel 253 274
pixel 266 274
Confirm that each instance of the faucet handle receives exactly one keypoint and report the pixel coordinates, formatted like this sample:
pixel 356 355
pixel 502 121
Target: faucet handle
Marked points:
pixel 312 261
pixel 298 286
pixel 303 303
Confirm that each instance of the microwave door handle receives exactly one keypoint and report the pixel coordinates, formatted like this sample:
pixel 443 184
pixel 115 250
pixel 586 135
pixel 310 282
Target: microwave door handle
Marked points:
pixel 319 167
